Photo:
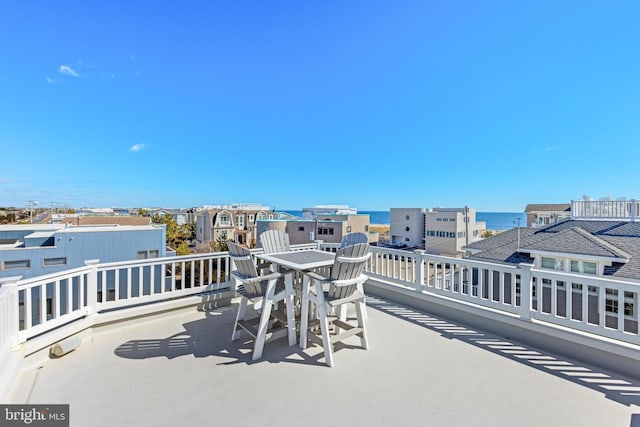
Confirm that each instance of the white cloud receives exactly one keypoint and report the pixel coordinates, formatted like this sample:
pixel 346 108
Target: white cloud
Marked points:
pixel 67 70
pixel 136 147
pixel 549 148
pixel 49 80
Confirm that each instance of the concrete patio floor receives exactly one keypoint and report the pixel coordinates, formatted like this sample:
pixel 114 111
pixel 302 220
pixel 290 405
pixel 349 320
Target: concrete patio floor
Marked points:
pixel 182 369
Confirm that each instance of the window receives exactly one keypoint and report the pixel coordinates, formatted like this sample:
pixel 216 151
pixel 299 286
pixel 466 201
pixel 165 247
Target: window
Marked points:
pixel 553 263
pixel 52 262
pixel 224 219
pixel 251 218
pixel 407 217
pixel 16 265
pixel 300 228
pixel 348 229
pixel 584 267
pixel 327 231
pixel 366 228
pixel 407 229
pixel 148 254
pixel 240 220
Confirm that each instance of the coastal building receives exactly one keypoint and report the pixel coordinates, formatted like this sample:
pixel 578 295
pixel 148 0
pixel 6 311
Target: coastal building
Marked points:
pixel 36 249
pixel 236 223
pixel 328 223
pixel 324 210
pixel 541 215
pixel 437 230
pixel 406 227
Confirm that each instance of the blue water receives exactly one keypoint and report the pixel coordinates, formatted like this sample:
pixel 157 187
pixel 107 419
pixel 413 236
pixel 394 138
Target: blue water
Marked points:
pixel 494 220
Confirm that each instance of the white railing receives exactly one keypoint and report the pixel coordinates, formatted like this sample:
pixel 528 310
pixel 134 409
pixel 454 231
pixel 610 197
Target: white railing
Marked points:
pixel 8 316
pixel 123 284
pixel 600 306
pixel 626 210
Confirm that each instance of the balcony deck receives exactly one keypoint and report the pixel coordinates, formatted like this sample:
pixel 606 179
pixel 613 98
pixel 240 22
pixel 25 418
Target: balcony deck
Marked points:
pixel 182 369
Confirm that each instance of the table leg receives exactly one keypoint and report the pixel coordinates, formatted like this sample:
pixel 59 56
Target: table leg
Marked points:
pixel 304 312
pixel 291 317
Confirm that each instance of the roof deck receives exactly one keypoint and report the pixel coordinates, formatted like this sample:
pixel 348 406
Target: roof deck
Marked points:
pixel 452 342
pixel 181 368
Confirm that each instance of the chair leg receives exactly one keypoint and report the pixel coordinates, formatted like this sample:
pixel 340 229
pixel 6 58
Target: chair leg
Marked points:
pixel 262 329
pixel 326 338
pixel 360 312
pixel 242 310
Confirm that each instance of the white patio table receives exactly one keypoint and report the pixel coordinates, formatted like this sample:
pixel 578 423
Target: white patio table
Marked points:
pixel 301 261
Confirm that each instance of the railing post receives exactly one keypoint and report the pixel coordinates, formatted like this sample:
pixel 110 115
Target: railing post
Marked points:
pixel 11 284
pixel 92 286
pixel 419 279
pixel 525 291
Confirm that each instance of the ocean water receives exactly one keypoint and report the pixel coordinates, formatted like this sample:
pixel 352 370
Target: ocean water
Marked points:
pixel 494 220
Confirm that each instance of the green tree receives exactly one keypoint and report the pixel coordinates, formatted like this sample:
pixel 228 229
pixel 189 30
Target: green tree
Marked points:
pixel 487 234
pixel 183 248
pixel 220 245
pixel 142 212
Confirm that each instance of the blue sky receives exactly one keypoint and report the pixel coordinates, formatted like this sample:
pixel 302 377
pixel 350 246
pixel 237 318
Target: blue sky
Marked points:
pixel 374 104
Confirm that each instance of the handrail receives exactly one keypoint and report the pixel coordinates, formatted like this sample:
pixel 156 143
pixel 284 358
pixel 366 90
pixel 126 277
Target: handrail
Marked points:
pixel 606 307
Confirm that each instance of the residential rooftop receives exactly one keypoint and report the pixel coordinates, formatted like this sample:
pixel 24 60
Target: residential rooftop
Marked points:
pixel 181 368
pixel 451 342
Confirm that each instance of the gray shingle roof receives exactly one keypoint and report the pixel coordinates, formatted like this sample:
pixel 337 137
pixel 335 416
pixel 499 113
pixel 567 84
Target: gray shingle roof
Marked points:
pixel 577 241
pixel 600 238
pixel 558 207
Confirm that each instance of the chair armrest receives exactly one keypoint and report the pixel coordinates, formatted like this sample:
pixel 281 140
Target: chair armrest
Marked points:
pixel 316 276
pixel 270 276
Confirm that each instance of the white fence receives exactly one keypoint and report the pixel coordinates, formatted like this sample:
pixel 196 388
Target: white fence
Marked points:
pixel 605 209
pixel 600 306
pixel 596 305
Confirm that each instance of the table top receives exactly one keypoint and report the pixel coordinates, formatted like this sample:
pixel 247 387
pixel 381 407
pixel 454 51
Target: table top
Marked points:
pixel 300 260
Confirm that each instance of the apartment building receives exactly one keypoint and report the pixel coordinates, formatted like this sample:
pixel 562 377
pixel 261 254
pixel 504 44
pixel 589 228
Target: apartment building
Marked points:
pixel 442 231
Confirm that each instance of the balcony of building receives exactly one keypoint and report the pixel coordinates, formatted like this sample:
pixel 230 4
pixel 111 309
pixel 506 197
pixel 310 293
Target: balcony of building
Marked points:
pixel 452 342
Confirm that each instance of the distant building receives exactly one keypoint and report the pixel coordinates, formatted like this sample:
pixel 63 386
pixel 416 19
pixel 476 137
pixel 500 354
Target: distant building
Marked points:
pixel 37 249
pixel 442 231
pixel 324 210
pixel 540 215
pixel 236 223
pixel 327 223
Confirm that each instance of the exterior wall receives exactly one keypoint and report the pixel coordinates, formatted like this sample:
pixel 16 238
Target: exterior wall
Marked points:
pixel 447 230
pixel 328 228
pixel 300 231
pixel 407 226
pixel 107 244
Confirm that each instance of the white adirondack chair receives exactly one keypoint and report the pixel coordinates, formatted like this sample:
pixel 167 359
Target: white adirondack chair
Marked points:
pixel 353 238
pixel 261 291
pixel 273 241
pixel 330 294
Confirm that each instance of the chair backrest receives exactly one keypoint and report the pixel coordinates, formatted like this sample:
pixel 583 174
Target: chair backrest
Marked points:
pixel 246 269
pixel 353 238
pixel 349 264
pixel 273 241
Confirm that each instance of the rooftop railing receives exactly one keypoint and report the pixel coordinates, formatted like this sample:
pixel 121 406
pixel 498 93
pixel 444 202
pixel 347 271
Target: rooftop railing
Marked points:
pixel 47 308
pixel 621 210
